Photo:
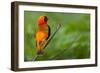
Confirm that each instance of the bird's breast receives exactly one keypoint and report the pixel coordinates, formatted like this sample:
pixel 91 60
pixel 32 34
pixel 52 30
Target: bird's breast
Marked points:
pixel 43 28
pixel 41 35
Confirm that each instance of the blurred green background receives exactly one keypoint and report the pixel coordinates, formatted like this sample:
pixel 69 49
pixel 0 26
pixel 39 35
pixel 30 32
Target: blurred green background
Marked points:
pixel 72 41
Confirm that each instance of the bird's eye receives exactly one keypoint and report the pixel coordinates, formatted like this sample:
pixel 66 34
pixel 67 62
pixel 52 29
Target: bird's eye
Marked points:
pixel 45 18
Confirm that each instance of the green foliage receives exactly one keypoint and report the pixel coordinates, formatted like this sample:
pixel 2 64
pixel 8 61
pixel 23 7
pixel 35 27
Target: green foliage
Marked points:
pixel 72 41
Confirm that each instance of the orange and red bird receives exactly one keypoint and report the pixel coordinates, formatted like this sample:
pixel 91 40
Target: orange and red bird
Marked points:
pixel 42 34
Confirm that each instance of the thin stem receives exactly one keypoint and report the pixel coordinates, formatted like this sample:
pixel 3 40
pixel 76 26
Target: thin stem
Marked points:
pixel 48 41
pixel 35 57
pixel 61 52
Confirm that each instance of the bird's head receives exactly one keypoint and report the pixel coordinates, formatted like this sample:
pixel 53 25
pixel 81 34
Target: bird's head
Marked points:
pixel 42 20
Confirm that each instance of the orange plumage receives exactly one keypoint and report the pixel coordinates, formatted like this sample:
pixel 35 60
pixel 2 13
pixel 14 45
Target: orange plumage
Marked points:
pixel 42 34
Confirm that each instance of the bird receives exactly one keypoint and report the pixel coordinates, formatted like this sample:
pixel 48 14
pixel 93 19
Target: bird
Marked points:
pixel 42 34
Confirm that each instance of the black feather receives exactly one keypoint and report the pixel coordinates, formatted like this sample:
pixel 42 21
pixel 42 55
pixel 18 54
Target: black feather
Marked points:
pixel 49 32
pixel 45 18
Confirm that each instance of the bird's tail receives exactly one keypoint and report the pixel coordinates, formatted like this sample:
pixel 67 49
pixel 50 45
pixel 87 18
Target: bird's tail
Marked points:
pixel 40 52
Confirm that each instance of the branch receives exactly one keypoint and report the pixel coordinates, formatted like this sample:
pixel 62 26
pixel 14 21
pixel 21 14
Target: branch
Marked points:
pixel 48 41
pixel 35 57
pixel 61 52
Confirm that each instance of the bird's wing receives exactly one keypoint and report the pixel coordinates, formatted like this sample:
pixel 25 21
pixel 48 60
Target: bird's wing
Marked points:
pixel 49 32
pixel 57 28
